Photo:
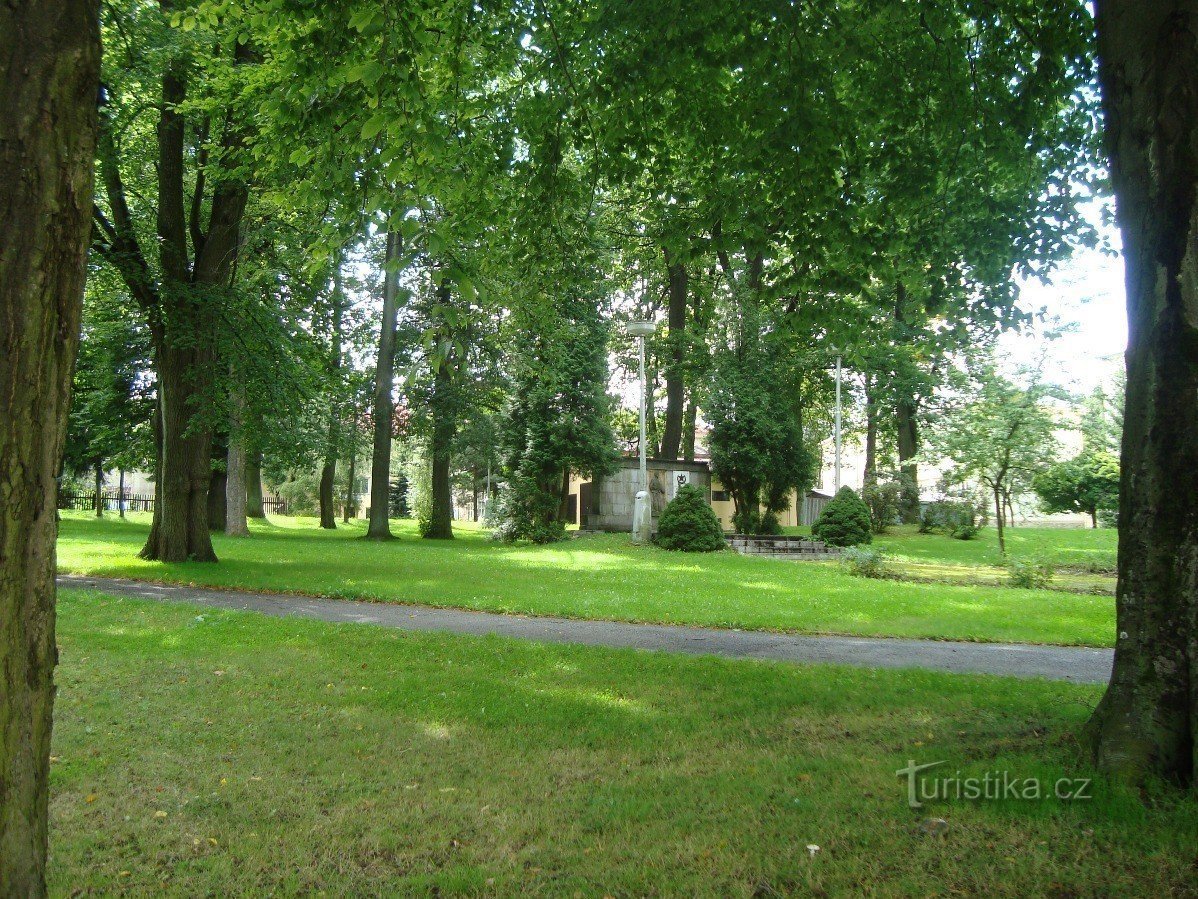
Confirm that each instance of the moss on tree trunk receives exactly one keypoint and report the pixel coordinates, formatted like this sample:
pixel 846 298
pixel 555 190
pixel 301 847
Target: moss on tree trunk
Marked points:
pixel 1147 723
pixel 50 53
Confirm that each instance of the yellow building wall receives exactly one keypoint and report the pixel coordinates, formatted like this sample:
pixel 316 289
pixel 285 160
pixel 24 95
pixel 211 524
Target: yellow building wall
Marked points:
pixel 724 508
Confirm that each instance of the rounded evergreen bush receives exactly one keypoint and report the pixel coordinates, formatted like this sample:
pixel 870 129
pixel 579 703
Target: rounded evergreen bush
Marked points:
pixel 844 520
pixel 688 524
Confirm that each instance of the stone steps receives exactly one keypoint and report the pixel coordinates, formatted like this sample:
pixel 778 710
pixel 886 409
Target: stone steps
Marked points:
pixel 789 548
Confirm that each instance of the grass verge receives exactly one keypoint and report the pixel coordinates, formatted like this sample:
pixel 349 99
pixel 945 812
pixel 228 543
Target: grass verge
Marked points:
pixel 596 577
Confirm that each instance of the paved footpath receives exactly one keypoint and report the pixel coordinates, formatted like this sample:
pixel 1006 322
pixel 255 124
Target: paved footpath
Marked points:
pixel 1080 665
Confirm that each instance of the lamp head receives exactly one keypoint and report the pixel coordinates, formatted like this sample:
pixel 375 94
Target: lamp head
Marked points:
pixel 640 328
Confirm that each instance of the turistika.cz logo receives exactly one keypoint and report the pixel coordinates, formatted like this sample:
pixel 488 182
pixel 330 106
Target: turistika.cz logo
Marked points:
pixel 993 786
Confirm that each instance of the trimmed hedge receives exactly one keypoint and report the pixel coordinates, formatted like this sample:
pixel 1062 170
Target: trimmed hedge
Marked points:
pixel 688 524
pixel 844 521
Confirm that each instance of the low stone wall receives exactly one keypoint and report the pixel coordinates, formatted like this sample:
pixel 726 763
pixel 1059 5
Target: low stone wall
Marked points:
pixel 797 549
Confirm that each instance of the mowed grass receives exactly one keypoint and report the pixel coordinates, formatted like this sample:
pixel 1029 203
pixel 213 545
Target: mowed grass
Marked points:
pixel 598 577
pixel 1081 548
pixel 199 752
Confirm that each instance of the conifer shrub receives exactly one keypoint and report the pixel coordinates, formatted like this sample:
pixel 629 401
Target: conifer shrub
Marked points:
pixel 844 521
pixel 688 524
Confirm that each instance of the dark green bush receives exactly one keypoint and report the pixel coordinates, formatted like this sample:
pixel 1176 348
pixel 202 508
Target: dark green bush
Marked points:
pixel 844 520
pixel 688 524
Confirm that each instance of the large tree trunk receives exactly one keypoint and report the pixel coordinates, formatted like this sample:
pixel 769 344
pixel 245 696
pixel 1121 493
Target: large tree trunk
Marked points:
pixel 870 477
pixel 99 499
pixel 688 431
pixel 444 428
pixel 218 481
pixel 671 435
pixel 906 423
pixel 379 527
pixel 180 527
pixel 1147 723
pixel 50 54
pixel 328 511
pixel 350 510
pixel 254 507
pixel 328 472
pixel 998 521
pixel 563 503
pixel 908 446
pixel 235 492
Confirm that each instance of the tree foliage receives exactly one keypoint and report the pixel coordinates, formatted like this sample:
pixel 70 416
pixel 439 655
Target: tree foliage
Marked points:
pixel 1001 436
pixel 1088 483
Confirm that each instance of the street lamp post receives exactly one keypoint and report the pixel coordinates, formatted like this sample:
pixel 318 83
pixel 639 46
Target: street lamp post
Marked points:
pixel 836 478
pixel 642 516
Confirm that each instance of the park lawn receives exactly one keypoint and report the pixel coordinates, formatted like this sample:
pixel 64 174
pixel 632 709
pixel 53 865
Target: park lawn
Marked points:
pixel 994 576
pixel 1084 549
pixel 596 577
pixel 228 753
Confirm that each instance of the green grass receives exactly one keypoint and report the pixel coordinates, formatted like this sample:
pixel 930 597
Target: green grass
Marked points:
pixel 598 577
pixel 227 753
pixel 1067 547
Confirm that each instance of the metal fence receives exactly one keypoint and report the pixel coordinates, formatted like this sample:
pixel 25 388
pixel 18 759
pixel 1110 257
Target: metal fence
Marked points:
pixel 132 502
pixel 139 502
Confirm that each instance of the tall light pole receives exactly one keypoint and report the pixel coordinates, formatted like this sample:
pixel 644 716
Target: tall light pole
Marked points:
pixel 642 516
pixel 836 479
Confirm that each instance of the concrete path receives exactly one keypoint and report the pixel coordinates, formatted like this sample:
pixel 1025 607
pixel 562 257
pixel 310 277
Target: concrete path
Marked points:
pixel 1080 665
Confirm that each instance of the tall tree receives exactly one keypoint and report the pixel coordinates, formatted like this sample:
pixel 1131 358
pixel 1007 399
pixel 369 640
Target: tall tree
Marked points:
pixel 50 57
pixel 179 289
pixel 379 527
pixel 1001 436
pixel 236 495
pixel 328 471
pixel 671 435
pixel 1147 722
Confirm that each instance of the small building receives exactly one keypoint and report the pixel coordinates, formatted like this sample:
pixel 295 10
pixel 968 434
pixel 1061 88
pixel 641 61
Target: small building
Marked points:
pixel 606 503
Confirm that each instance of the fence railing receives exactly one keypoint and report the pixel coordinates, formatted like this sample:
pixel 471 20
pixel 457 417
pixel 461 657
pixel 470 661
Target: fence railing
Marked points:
pixel 139 502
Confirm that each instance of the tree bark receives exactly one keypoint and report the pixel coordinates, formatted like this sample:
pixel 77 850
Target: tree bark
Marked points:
pixel 908 446
pixel 218 480
pixel 1147 722
pixel 870 476
pixel 671 435
pixel 444 429
pixel 907 425
pixel 99 502
pixel 688 431
pixel 235 466
pixel 50 55
pixel 350 509
pixel 379 527
pixel 563 503
pixel 254 507
pixel 998 521
pixel 120 490
pixel 328 472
